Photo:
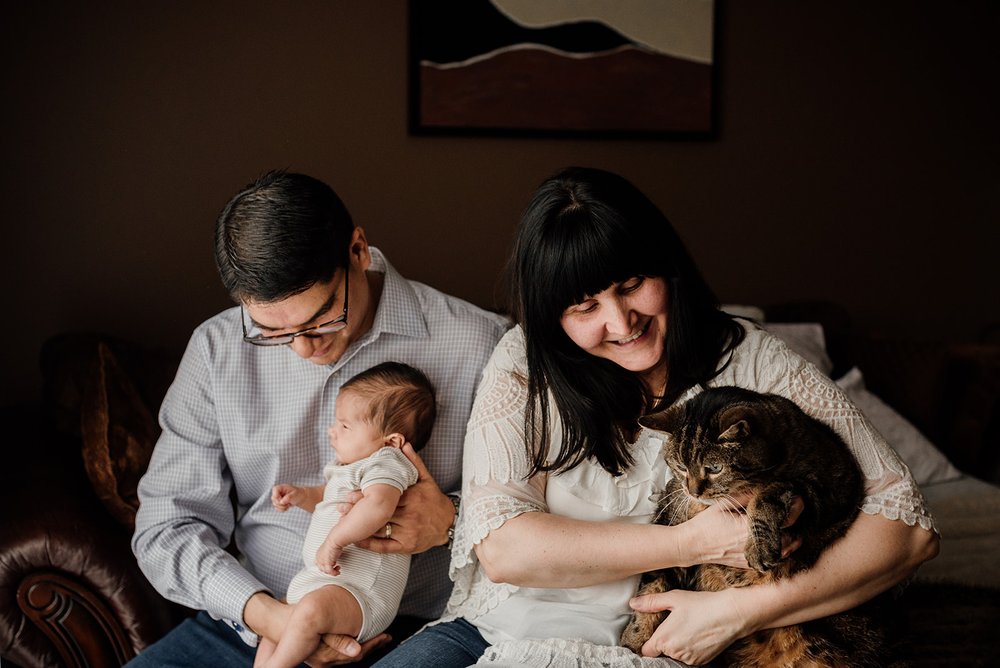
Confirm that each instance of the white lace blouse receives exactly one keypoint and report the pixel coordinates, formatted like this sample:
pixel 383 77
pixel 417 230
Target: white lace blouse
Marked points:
pixel 590 619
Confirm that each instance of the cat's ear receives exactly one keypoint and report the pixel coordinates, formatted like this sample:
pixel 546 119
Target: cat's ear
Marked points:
pixel 733 424
pixel 668 421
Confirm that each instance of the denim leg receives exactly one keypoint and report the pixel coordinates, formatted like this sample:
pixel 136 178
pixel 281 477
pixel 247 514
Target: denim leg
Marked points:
pixel 199 641
pixel 454 644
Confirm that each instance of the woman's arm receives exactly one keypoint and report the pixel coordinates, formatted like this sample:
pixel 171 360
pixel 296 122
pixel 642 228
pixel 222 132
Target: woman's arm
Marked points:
pixel 539 549
pixel 876 554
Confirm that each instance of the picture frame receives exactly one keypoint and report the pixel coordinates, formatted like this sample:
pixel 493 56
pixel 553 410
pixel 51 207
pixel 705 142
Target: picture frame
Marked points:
pixel 592 68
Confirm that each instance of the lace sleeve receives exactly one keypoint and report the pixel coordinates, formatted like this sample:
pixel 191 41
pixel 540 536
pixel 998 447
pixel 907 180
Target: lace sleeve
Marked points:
pixel 495 485
pixel 763 362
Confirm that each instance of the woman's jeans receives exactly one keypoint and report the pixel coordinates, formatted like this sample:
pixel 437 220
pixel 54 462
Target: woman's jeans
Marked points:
pixel 448 645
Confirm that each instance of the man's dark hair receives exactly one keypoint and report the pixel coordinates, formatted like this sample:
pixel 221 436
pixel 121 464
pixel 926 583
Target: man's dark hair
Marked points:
pixel 279 236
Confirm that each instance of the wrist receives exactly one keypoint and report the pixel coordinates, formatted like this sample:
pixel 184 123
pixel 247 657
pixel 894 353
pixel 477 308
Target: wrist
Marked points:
pixel 456 501
pixel 257 613
pixel 686 546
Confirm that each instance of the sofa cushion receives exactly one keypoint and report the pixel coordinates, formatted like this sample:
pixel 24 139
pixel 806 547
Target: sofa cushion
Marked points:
pixel 118 432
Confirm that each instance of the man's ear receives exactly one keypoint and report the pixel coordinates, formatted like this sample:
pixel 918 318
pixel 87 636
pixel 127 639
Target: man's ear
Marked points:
pixel 395 440
pixel 359 249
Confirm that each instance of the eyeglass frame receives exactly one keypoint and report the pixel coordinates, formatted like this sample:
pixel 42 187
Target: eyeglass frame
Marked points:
pixel 335 325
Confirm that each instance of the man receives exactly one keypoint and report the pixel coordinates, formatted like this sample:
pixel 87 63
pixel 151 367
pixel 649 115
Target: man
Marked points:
pixel 250 405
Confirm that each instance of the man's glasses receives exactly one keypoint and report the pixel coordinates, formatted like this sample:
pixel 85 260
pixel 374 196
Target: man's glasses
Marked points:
pixel 330 327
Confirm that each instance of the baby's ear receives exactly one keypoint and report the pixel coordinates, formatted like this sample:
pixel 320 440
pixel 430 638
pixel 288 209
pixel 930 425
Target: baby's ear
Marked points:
pixel 395 440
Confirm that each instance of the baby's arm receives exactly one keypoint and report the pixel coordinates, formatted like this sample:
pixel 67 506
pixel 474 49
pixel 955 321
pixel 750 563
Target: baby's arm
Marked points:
pixel 285 496
pixel 367 517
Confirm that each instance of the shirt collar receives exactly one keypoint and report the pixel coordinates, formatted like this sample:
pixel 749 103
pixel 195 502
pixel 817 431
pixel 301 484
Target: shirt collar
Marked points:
pixel 399 310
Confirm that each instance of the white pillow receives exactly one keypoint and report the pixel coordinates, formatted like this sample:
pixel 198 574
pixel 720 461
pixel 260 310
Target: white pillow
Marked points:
pixel 806 339
pixel 926 462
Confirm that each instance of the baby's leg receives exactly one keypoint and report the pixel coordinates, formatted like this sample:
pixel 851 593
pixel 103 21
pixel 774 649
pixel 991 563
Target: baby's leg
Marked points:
pixel 329 609
pixel 265 648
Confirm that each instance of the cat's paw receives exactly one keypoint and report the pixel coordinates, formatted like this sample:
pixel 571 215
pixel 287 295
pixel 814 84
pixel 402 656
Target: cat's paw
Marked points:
pixel 763 556
pixel 640 629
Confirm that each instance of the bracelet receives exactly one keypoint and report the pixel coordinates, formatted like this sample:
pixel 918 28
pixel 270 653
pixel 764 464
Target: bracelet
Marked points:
pixel 456 501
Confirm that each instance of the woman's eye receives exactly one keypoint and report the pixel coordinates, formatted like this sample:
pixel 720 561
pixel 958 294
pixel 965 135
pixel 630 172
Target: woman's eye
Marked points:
pixel 633 284
pixel 584 307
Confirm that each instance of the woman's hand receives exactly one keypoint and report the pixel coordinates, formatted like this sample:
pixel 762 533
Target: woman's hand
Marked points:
pixel 700 625
pixel 720 534
pixel 422 517
pixel 722 531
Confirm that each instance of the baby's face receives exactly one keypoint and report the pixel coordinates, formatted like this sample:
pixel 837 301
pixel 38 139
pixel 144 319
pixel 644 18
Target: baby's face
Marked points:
pixel 351 437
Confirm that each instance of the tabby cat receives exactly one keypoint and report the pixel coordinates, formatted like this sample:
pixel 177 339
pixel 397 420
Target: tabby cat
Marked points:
pixel 725 442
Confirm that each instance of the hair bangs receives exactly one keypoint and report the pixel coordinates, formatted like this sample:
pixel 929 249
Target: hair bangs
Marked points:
pixel 581 259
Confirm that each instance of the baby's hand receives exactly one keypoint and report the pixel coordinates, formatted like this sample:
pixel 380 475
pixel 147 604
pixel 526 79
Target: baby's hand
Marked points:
pixel 285 496
pixel 327 557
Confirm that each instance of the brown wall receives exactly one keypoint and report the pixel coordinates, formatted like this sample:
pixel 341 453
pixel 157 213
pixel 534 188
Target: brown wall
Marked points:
pixel 857 159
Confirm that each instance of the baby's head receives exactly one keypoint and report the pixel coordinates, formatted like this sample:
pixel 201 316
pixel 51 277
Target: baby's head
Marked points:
pixel 387 404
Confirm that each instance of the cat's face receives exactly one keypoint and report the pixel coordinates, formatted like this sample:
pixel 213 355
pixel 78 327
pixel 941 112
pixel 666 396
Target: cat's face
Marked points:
pixel 715 456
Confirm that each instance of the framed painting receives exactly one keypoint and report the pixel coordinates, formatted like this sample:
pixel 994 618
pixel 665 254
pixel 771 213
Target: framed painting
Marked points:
pixel 562 67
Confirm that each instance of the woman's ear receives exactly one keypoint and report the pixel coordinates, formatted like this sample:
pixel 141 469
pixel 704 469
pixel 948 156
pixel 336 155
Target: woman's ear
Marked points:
pixel 395 440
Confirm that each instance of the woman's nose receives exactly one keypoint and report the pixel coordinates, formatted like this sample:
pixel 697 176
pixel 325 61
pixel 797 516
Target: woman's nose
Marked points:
pixel 619 318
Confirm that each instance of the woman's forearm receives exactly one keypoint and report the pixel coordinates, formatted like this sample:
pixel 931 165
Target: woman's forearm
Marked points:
pixel 876 554
pixel 543 550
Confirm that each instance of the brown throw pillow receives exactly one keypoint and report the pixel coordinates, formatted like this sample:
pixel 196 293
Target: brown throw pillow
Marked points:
pixel 119 433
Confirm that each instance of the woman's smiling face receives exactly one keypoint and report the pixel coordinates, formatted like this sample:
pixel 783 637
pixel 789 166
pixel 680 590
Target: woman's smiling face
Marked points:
pixel 626 324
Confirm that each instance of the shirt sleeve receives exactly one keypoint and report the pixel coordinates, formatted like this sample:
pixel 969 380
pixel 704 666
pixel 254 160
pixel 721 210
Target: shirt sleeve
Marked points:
pixel 495 486
pixel 389 466
pixel 185 517
pixel 764 363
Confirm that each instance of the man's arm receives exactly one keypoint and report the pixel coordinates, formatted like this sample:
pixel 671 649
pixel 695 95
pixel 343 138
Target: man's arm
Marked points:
pixel 185 517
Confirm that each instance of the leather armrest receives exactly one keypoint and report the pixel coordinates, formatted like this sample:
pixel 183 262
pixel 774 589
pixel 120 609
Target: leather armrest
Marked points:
pixel 71 593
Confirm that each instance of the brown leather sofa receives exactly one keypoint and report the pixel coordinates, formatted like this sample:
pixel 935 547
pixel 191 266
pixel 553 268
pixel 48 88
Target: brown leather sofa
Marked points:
pixel 70 591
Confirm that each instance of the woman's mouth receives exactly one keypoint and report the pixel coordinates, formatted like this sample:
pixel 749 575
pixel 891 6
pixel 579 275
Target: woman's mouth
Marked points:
pixel 634 335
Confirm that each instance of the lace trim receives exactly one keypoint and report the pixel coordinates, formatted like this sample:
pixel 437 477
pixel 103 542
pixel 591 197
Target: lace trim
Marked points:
pixel 891 490
pixel 562 653
pixel 474 596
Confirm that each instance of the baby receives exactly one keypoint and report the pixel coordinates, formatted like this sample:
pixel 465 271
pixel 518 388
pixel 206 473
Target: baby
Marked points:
pixel 344 589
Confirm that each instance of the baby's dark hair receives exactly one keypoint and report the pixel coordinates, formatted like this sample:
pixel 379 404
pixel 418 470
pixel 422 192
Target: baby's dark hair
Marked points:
pixel 400 399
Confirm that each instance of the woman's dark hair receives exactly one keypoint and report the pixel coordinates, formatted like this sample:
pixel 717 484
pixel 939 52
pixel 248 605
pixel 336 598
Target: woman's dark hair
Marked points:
pixel 279 236
pixel 583 230
pixel 400 400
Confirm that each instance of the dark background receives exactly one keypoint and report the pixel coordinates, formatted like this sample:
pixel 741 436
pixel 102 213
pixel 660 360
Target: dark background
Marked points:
pixel 856 160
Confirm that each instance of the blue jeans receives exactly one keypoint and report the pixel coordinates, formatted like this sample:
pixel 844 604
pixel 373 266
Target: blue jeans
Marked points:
pixel 203 641
pixel 199 641
pixel 454 644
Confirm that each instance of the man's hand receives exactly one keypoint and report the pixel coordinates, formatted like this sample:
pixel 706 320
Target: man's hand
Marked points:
pixel 422 518
pixel 267 617
pixel 337 650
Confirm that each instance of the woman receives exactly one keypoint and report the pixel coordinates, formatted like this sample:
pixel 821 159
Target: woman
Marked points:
pixel 614 321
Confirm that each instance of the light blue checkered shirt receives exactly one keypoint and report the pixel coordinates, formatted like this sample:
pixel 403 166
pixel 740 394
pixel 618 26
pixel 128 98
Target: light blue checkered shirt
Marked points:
pixel 240 418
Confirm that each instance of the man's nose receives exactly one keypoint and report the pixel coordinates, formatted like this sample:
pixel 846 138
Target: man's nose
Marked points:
pixel 305 346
